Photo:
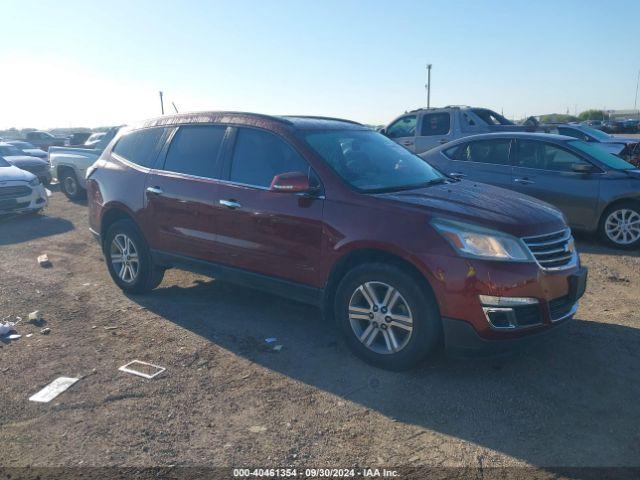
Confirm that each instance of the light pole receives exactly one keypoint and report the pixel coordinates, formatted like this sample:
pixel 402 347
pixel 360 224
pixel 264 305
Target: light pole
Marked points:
pixel 428 85
pixel 161 103
pixel 635 104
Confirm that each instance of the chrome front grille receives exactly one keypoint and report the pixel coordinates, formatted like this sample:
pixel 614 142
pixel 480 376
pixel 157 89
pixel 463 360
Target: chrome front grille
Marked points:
pixel 553 251
pixel 14 192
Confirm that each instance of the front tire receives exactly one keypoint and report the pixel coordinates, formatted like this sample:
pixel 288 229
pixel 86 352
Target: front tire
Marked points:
pixel 129 259
pixel 620 225
pixel 387 318
pixel 70 186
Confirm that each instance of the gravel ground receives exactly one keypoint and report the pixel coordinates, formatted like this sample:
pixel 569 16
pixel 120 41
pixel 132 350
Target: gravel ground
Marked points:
pixel 227 400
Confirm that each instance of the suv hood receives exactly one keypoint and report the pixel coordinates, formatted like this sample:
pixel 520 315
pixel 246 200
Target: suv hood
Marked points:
pixel 25 161
pixel 13 174
pixel 486 205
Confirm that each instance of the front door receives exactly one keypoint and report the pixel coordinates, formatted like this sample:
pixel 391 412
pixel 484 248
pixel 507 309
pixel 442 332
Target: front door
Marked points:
pixel 268 232
pixel 544 170
pixel 181 192
pixel 403 131
pixel 434 129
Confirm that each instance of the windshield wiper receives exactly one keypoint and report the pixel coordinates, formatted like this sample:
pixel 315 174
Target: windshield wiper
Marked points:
pixel 415 186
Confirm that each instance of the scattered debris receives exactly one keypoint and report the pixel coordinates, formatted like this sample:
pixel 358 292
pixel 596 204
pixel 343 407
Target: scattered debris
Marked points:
pixel 35 316
pixel 6 328
pixel 257 429
pixel 147 370
pixel 271 340
pixel 45 331
pixel 110 328
pixel 43 261
pixel 86 284
pixel 29 335
pixel 14 336
pixel 52 390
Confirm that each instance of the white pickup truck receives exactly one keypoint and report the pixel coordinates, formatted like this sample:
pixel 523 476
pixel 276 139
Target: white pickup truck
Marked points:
pixel 423 129
pixel 69 164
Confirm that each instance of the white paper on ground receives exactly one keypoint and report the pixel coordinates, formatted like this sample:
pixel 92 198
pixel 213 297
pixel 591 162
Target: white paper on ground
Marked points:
pixel 54 389
pixel 129 369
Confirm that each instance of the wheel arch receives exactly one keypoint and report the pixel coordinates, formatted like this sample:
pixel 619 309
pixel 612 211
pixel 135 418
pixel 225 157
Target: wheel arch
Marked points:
pixel 113 214
pixel 363 255
pixel 615 203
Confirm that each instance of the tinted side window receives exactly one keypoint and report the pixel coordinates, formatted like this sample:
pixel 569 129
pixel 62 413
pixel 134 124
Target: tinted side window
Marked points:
pixel 495 152
pixel 545 156
pixel 194 150
pixel 435 124
pixel 259 156
pixel 141 146
pixel 404 127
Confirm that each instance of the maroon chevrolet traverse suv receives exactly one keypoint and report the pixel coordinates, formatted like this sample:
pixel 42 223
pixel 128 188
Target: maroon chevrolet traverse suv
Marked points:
pixel 329 212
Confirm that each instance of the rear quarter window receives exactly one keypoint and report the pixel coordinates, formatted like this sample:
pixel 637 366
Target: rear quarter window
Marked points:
pixel 141 146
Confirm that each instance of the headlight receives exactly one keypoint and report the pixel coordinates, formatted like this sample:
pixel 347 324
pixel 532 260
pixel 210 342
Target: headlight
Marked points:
pixel 35 182
pixel 478 242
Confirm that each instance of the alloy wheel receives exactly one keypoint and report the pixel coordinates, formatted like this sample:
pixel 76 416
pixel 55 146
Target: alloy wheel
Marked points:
pixel 380 317
pixel 623 226
pixel 124 258
pixel 70 185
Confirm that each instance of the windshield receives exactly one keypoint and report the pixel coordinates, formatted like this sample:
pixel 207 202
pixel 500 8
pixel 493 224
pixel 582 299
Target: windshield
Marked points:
pixel 606 158
pixel 595 133
pixel 10 151
pixel 491 117
pixel 371 162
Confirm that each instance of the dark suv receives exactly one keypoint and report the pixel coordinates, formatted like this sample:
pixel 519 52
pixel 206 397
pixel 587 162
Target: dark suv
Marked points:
pixel 330 212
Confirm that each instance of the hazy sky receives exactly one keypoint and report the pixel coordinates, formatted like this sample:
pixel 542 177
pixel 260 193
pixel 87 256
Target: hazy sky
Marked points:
pixel 73 63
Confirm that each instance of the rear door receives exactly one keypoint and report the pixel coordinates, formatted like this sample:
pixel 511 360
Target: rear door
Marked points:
pixel 181 191
pixel 272 233
pixel 544 170
pixel 434 129
pixel 486 161
pixel 403 131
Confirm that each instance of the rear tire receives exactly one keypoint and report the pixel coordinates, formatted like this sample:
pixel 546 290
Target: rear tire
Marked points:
pixel 620 225
pixel 70 186
pixel 129 259
pixel 395 330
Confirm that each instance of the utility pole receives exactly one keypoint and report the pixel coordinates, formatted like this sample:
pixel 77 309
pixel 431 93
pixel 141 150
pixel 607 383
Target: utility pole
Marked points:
pixel 635 104
pixel 161 103
pixel 428 85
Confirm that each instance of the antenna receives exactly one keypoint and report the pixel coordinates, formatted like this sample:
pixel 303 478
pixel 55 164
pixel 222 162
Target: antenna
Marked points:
pixel 161 103
pixel 174 107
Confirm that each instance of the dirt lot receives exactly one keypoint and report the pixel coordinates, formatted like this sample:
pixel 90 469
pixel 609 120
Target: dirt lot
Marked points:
pixel 226 400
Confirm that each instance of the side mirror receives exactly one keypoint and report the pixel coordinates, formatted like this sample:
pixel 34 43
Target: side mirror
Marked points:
pixel 291 182
pixel 383 131
pixel 582 168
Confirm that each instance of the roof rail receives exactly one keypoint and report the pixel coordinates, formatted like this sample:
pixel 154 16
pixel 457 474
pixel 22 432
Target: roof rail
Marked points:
pixel 223 112
pixel 315 117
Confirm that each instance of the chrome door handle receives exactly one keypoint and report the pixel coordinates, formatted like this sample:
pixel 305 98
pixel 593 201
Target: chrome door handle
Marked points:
pixel 443 141
pixel 523 181
pixel 230 204
pixel 155 190
pixel 457 174
pixel 407 142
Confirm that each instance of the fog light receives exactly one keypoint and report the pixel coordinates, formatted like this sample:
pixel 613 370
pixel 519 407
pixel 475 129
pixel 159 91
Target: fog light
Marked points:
pixel 488 300
pixel 502 312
